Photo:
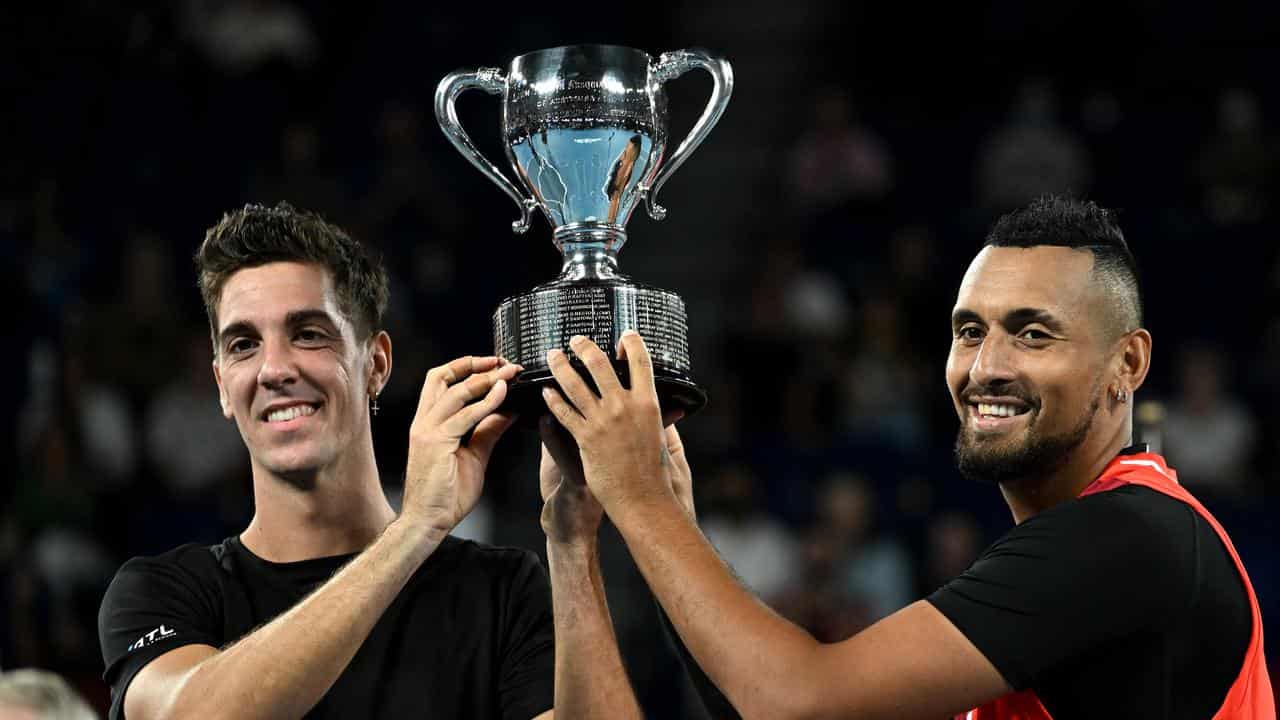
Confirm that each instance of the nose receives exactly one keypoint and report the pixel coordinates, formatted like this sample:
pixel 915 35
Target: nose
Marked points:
pixel 278 368
pixel 993 364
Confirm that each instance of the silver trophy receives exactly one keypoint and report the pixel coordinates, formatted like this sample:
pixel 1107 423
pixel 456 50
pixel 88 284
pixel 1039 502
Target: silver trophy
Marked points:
pixel 585 128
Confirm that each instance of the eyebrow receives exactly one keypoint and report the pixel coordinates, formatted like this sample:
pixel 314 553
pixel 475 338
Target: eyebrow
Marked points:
pixel 1012 320
pixel 291 319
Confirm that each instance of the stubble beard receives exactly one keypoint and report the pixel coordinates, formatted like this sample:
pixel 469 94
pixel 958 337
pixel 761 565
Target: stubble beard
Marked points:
pixel 1037 456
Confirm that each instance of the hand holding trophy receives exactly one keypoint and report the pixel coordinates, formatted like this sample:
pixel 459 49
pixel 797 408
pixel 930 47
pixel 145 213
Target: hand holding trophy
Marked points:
pixel 585 128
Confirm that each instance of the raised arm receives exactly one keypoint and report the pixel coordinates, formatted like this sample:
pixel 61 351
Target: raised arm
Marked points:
pixel 914 663
pixel 591 681
pixel 284 668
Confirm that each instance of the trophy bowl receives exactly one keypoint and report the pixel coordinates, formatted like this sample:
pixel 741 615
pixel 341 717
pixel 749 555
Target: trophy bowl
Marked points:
pixel 585 130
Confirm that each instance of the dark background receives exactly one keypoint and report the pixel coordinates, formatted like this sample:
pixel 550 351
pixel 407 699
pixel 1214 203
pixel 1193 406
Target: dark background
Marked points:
pixel 818 237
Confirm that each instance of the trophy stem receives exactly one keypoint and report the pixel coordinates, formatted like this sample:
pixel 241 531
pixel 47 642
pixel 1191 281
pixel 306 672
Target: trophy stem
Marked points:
pixel 590 251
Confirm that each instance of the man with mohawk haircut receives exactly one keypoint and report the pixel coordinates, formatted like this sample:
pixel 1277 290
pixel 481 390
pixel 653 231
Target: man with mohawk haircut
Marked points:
pixel 1115 595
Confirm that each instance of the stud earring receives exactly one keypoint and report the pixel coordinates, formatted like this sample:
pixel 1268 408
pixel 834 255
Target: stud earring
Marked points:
pixel 1122 395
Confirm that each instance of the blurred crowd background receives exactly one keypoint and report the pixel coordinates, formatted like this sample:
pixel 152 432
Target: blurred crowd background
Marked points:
pixel 818 237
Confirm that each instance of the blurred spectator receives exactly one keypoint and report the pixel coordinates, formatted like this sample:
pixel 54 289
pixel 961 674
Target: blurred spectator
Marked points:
pixel 1238 163
pixel 760 550
pixel 406 200
pixel 838 160
pixel 55 261
pixel 24 602
pixel 793 322
pixel 1031 154
pixel 882 381
pixel 819 601
pixel 1265 381
pixel 874 569
pixel 1209 434
pixel 62 567
pixel 914 264
pixel 954 542
pixel 52 489
pixel 105 423
pixel 412 215
pixel 240 36
pixel 134 334
pixel 815 305
pixel 96 414
pixel 301 178
pixel 191 444
pixel 31 694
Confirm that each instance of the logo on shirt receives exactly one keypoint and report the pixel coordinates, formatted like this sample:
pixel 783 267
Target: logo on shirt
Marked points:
pixel 158 634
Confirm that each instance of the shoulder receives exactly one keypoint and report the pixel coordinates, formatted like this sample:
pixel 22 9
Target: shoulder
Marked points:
pixel 1132 538
pixel 184 574
pixel 1131 517
pixel 1131 542
pixel 190 561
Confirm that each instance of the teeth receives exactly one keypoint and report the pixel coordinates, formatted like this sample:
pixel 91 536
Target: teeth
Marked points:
pixel 988 409
pixel 289 413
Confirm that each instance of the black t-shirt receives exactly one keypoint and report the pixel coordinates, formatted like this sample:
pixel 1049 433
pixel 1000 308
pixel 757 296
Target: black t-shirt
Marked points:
pixel 470 636
pixel 1122 604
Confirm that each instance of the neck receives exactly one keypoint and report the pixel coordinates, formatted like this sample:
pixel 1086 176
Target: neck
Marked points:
pixel 1029 496
pixel 337 510
pixel 590 250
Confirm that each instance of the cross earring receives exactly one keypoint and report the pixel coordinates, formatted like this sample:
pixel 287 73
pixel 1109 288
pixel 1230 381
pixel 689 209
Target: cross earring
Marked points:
pixel 373 404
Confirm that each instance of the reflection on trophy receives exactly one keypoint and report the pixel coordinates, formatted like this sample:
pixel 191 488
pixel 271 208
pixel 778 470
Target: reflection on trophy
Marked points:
pixel 585 128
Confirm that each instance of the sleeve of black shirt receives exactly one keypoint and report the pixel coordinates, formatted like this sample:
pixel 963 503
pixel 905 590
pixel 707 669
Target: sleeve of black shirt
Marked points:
pixel 527 681
pixel 1067 580
pixel 152 606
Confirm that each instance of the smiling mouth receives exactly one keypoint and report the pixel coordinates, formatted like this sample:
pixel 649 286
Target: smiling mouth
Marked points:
pixel 990 410
pixel 995 417
pixel 292 412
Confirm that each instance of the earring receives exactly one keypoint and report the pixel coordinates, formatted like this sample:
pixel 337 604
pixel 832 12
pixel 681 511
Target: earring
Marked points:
pixel 1122 395
pixel 373 404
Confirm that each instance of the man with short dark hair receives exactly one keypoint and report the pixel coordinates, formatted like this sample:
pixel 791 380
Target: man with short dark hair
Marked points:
pixel 1116 594
pixel 329 604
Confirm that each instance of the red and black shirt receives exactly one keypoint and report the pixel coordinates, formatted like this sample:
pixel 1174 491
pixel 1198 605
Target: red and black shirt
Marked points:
pixel 1128 602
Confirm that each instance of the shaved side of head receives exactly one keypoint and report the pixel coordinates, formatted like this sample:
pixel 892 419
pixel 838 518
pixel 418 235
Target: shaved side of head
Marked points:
pixel 1084 226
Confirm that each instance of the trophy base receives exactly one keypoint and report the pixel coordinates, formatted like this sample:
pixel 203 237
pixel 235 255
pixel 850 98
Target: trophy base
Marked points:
pixel 675 392
pixel 526 326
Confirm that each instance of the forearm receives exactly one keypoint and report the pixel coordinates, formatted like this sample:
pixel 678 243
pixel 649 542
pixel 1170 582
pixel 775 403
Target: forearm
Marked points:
pixel 713 700
pixel 282 669
pixel 591 681
pixel 763 663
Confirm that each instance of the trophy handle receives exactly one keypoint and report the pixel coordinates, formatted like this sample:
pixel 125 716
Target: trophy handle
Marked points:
pixel 671 65
pixel 492 81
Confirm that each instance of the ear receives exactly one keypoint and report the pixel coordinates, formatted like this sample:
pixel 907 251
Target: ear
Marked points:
pixel 223 398
pixel 1133 359
pixel 379 361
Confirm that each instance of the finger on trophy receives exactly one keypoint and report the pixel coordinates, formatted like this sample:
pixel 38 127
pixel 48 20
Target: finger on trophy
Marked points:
pixel 571 383
pixel 564 413
pixel 597 363
pixel 639 363
pixel 440 378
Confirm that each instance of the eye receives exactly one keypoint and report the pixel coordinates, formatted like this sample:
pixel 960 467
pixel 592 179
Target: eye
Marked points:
pixel 240 345
pixel 1035 335
pixel 969 333
pixel 310 335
